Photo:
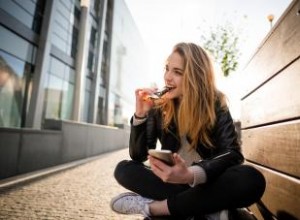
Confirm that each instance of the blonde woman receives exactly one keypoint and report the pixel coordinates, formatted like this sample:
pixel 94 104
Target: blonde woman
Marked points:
pixel 193 121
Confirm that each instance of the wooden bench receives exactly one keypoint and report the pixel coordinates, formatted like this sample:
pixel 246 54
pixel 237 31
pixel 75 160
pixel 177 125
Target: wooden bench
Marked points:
pixel 270 118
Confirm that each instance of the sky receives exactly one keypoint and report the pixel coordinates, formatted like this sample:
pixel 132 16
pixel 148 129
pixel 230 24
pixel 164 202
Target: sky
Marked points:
pixel 163 23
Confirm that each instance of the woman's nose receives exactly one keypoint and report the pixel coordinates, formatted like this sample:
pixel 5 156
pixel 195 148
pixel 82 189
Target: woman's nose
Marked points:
pixel 168 75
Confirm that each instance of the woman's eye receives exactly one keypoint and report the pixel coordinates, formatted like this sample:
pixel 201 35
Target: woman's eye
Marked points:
pixel 178 72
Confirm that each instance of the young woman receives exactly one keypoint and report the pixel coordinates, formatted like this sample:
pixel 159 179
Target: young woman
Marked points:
pixel 193 121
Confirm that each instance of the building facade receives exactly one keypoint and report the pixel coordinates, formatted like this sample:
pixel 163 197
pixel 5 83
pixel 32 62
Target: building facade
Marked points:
pixel 69 60
pixel 54 61
pixel 68 68
pixel 127 66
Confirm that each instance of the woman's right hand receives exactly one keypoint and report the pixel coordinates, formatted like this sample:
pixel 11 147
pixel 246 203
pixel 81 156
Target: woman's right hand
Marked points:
pixel 177 174
pixel 142 104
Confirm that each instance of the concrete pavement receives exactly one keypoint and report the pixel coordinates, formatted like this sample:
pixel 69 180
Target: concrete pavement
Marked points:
pixel 82 192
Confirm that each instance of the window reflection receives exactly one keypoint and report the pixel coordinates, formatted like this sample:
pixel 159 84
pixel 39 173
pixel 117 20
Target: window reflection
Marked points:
pixel 65 29
pixel 59 90
pixel 30 14
pixel 11 86
pixel 67 100
pixel 19 48
pixel 87 97
pixel 17 61
pixel 53 97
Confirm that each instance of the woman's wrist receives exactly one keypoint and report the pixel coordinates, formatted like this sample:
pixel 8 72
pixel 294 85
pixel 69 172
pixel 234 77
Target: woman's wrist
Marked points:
pixel 198 174
pixel 140 116
pixel 190 177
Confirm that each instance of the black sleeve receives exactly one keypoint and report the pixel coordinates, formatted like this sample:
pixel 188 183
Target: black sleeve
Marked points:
pixel 227 151
pixel 142 138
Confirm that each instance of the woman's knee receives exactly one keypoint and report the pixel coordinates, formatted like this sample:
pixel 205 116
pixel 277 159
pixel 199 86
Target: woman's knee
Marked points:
pixel 120 170
pixel 125 172
pixel 255 177
pixel 253 181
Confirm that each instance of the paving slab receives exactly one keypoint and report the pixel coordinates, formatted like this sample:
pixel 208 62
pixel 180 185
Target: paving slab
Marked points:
pixel 82 192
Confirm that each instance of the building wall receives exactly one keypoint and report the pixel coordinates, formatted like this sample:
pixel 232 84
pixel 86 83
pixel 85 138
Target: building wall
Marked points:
pixel 54 60
pixel 27 150
pixel 127 66
pixel 57 63
pixel 19 30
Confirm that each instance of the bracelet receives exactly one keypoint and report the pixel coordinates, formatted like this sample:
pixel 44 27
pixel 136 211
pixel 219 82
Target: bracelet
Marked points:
pixel 140 118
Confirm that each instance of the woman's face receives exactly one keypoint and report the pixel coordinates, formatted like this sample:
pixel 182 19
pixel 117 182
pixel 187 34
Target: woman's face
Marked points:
pixel 174 75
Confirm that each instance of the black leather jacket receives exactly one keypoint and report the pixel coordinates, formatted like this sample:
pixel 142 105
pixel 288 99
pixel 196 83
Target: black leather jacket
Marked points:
pixel 226 151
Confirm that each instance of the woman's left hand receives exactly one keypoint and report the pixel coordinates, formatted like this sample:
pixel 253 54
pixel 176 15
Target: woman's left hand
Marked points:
pixel 178 173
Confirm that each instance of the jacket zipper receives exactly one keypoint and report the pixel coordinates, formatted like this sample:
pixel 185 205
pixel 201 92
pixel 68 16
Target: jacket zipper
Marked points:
pixel 222 155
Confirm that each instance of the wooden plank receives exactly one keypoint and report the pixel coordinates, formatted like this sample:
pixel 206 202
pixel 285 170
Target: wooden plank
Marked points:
pixel 279 99
pixel 279 48
pixel 276 146
pixel 253 208
pixel 282 194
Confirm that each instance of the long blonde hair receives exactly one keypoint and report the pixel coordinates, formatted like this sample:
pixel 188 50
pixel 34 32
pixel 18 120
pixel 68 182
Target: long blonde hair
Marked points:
pixel 196 114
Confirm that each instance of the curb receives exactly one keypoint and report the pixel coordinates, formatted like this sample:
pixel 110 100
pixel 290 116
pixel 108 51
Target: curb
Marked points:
pixel 19 180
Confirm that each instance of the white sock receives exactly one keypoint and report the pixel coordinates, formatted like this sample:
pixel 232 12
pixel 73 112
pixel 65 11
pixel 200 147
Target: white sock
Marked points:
pixel 224 215
pixel 221 215
pixel 147 209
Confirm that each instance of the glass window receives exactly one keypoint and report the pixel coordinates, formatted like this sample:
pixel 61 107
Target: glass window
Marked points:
pixel 28 12
pixel 72 19
pixel 28 6
pixel 101 106
pixel 87 95
pixel 71 75
pixel 53 95
pixel 97 7
pixel 67 3
pixel 59 91
pixel 64 11
pixel 61 20
pixel 77 13
pixel 86 111
pixel 59 43
pixel 74 42
pixel 90 63
pixel 93 37
pixel 65 28
pixel 12 84
pixel 57 68
pixel 88 84
pixel 16 11
pixel 38 16
pixel 60 31
pixel 67 100
pixel 17 56
pixel 77 3
pixel 20 47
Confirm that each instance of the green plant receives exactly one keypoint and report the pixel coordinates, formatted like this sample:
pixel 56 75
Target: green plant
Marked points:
pixel 222 42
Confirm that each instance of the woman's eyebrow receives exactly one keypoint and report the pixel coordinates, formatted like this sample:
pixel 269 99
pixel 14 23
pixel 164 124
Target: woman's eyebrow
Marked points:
pixel 176 68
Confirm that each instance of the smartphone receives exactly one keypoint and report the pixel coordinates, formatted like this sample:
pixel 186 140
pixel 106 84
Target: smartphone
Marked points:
pixel 164 155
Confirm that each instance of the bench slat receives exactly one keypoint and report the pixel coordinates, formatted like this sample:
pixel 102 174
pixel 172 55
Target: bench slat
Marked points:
pixel 275 146
pixel 277 100
pixel 282 195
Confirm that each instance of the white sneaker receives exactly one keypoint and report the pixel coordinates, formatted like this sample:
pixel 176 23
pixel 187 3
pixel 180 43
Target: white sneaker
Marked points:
pixel 222 215
pixel 131 203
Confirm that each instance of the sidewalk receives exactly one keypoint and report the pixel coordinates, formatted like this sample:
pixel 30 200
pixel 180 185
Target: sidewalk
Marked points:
pixel 83 192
